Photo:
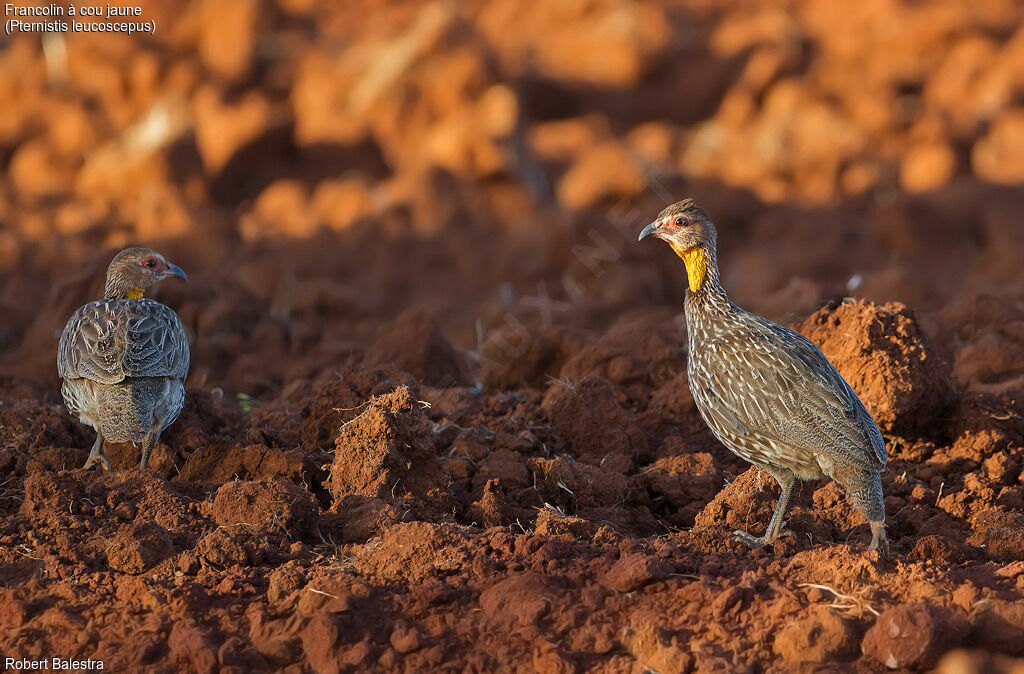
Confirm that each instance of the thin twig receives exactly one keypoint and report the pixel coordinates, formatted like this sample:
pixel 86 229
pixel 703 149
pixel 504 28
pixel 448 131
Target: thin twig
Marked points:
pixel 844 602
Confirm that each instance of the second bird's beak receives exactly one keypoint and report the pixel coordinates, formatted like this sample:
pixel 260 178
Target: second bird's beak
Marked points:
pixel 648 230
pixel 174 270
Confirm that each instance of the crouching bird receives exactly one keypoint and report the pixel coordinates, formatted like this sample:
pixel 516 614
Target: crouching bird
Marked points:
pixel 123 359
pixel 767 392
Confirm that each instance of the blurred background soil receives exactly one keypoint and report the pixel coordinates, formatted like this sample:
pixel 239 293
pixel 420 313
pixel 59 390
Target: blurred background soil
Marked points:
pixel 437 413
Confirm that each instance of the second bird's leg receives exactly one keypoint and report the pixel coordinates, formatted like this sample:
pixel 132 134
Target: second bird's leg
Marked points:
pixel 97 455
pixel 775 530
pixel 147 447
pixel 865 491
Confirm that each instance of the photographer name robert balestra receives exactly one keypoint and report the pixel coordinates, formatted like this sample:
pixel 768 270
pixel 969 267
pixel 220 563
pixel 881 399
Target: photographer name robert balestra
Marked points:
pixel 52 664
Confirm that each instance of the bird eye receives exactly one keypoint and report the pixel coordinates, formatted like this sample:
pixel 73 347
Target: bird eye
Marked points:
pixel 151 262
pixel 680 221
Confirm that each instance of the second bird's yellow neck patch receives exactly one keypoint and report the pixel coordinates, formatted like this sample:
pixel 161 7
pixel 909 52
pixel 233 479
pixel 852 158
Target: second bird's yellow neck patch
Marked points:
pixel 696 265
pixel 136 293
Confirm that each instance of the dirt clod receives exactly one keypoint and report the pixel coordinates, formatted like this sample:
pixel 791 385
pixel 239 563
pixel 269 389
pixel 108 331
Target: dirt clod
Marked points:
pixel 387 452
pixel 632 572
pixel 270 505
pixel 914 635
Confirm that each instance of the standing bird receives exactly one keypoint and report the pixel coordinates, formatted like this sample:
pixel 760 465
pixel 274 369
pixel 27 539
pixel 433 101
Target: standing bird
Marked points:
pixel 124 358
pixel 767 392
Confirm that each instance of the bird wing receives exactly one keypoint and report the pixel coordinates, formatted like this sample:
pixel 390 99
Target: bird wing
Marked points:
pixel 780 388
pixel 110 340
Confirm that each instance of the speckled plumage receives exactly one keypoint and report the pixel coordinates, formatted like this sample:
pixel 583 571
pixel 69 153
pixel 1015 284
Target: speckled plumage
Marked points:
pixel 123 361
pixel 768 393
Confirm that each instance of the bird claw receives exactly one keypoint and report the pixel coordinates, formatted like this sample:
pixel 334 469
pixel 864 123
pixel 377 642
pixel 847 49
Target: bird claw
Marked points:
pixel 100 459
pixel 879 541
pixel 749 540
pixel 757 542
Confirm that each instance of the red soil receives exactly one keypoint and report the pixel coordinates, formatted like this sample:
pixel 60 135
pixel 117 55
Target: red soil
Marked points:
pixel 437 416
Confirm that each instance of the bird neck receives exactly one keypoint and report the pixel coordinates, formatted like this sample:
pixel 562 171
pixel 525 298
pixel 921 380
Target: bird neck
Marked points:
pixel 702 272
pixel 116 289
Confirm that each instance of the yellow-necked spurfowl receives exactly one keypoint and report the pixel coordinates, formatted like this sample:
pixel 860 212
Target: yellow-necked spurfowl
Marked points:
pixel 767 392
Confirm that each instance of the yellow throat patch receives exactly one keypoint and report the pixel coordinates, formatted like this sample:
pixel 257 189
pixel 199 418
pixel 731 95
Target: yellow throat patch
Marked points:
pixel 696 265
pixel 136 293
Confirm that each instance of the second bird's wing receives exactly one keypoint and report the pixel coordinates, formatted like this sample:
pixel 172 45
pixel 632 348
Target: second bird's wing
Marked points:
pixel 110 340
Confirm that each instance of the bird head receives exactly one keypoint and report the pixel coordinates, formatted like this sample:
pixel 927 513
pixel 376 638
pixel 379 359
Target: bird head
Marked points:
pixel 133 270
pixel 688 229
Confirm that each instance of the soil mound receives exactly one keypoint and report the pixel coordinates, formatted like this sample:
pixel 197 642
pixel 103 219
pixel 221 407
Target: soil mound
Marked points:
pixel 387 452
pixel 884 354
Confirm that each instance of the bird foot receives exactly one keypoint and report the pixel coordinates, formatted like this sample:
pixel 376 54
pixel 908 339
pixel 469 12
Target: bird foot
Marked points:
pixel 102 460
pixel 879 541
pixel 756 542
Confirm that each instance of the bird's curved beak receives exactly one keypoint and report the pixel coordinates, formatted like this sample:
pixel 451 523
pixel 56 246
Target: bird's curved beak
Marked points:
pixel 648 230
pixel 176 271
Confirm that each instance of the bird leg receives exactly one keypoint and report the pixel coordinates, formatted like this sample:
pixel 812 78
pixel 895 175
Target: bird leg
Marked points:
pixel 775 526
pixel 864 489
pixel 97 455
pixel 147 447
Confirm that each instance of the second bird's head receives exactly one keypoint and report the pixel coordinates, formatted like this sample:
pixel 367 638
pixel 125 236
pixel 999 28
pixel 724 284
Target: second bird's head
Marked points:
pixel 688 229
pixel 133 270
